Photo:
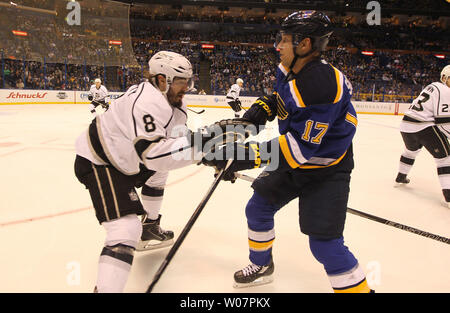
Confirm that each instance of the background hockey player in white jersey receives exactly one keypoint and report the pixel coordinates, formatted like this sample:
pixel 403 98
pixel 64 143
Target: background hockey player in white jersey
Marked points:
pixel 134 144
pixel 98 95
pixel 426 124
pixel 233 97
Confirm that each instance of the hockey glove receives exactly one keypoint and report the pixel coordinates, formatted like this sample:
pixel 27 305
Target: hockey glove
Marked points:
pixel 90 97
pixel 262 110
pixel 245 155
pixel 208 138
pixel 235 105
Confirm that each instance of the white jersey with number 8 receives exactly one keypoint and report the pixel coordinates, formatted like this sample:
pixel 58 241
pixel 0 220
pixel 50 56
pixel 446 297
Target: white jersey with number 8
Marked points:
pixel 141 127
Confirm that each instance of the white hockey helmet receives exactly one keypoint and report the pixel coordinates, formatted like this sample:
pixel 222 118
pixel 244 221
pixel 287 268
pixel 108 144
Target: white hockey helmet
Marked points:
pixel 239 80
pixel 171 65
pixel 97 80
pixel 445 74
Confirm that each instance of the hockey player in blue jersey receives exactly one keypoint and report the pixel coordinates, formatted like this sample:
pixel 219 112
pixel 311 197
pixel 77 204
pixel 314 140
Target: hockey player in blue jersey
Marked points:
pixel 311 160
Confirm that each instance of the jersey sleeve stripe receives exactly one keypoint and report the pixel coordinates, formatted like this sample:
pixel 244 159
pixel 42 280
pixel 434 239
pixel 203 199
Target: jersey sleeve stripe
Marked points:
pixel 442 120
pixel 168 153
pixel 322 166
pixel 132 110
pixel 286 152
pixel 295 148
pixel 142 145
pixel 351 119
pixel 339 83
pixel 439 99
pixel 291 150
pixel 296 94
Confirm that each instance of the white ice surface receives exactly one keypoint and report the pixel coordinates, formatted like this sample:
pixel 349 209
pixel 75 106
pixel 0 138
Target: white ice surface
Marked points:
pixel 58 251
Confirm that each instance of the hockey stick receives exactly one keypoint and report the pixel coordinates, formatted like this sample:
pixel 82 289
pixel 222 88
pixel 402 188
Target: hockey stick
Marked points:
pixel 377 219
pixel 104 105
pixel 196 112
pixel 187 228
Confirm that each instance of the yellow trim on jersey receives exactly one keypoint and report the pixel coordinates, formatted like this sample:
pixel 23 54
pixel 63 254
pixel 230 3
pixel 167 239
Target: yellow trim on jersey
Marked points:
pixel 297 97
pixel 363 287
pixel 351 119
pixel 318 166
pixel 260 246
pixel 291 160
pixel 286 152
pixel 338 84
pixel 283 68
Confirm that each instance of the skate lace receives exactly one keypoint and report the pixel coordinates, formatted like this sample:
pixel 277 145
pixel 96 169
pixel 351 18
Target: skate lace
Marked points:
pixel 250 269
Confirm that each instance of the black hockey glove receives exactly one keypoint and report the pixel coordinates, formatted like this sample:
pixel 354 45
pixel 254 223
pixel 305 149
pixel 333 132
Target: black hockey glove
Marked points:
pixel 208 138
pixel 245 155
pixel 262 110
pixel 90 97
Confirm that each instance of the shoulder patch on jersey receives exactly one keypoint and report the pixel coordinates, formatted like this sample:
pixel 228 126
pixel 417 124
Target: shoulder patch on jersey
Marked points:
pixel 281 107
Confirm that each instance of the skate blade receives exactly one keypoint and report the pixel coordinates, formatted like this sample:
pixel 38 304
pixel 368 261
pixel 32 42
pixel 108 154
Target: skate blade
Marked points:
pixel 153 245
pixel 400 185
pixel 257 282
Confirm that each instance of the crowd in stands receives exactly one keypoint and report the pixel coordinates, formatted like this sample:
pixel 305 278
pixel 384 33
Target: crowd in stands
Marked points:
pixel 385 72
pixel 48 34
pixel 388 73
pixel 388 4
pixel 410 36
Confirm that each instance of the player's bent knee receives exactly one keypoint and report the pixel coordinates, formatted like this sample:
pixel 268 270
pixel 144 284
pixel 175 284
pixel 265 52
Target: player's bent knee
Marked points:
pixel 255 205
pixel 259 213
pixel 333 254
pixel 126 230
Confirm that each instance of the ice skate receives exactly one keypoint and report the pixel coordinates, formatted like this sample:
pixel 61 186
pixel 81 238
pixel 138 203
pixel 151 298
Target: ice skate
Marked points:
pixel 254 275
pixel 401 179
pixel 153 236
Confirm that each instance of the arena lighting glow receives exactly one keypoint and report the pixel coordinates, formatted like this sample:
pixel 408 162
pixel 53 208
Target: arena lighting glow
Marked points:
pixel 19 33
pixel 367 52
pixel 205 46
pixel 440 56
pixel 115 42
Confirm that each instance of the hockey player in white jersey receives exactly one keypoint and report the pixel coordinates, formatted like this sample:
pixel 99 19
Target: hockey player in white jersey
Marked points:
pixel 98 95
pixel 233 97
pixel 426 124
pixel 134 144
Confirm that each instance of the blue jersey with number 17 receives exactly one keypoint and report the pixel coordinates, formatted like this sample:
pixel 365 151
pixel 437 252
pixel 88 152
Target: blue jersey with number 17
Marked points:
pixel 316 118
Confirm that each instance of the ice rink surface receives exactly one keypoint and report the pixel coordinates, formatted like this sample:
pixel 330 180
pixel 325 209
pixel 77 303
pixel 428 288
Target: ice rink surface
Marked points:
pixel 51 240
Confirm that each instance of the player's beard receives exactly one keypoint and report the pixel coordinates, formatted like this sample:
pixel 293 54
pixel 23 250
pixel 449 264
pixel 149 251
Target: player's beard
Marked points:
pixel 175 99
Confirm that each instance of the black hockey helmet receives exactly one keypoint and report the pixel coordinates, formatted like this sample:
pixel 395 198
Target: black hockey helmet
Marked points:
pixel 308 24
